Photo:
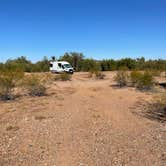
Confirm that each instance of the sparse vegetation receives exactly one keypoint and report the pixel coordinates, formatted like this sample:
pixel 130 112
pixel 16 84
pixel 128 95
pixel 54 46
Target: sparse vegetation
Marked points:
pixel 34 85
pixel 155 73
pixel 122 78
pixel 156 110
pixel 135 77
pixel 140 80
pixel 99 75
pixel 9 79
pixel 63 77
pixel 145 81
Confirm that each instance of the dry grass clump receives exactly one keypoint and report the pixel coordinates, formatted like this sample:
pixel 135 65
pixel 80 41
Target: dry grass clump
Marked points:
pixel 156 110
pixel 155 73
pixel 34 85
pixel 8 81
pixel 63 77
pixel 96 74
pixel 99 75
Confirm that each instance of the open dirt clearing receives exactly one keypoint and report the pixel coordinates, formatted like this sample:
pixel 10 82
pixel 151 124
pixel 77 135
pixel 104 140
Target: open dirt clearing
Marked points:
pixel 83 122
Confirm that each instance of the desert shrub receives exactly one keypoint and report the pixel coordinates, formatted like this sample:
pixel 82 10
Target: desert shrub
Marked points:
pixel 99 75
pixel 156 110
pixel 122 78
pixel 34 85
pixel 96 74
pixel 142 80
pixel 9 79
pixel 155 72
pixel 63 77
pixel 135 76
pixel 145 81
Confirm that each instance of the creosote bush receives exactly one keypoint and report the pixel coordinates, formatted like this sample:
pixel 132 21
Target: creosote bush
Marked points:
pixel 9 79
pixel 34 85
pixel 122 78
pixel 142 80
pixel 135 77
pixel 145 81
pixel 63 77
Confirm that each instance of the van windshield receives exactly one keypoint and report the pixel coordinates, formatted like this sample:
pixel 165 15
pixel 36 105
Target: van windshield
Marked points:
pixel 67 66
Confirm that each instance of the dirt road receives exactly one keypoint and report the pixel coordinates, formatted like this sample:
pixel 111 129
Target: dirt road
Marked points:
pixel 83 122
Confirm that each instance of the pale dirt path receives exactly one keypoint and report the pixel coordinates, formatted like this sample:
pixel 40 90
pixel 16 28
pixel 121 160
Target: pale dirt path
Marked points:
pixel 85 123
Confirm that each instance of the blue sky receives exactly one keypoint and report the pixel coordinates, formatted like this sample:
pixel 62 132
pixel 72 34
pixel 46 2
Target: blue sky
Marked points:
pixel 98 28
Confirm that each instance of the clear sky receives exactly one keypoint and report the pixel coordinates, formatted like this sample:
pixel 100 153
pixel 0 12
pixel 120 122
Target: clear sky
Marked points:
pixel 98 28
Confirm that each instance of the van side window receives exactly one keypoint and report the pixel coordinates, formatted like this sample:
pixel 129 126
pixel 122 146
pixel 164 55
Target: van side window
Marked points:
pixel 59 65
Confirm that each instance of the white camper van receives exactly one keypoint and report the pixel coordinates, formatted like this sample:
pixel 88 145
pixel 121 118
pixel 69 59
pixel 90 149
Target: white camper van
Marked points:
pixel 60 67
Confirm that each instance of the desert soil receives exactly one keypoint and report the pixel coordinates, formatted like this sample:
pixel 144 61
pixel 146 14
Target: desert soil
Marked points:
pixel 83 122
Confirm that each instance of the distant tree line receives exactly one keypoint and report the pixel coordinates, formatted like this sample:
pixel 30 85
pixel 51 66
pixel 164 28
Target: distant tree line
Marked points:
pixel 80 63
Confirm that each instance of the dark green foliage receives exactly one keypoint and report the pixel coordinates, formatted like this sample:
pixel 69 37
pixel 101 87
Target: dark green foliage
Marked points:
pixel 22 63
pixel 90 65
pixel 80 63
pixel 25 65
pixel 74 58
pixel 127 62
pixel 41 66
pixel 108 65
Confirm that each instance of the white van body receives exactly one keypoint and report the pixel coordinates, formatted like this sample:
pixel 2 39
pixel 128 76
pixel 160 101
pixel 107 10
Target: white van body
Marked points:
pixel 60 67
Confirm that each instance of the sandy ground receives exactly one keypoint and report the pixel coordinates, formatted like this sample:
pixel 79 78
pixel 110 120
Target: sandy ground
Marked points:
pixel 83 122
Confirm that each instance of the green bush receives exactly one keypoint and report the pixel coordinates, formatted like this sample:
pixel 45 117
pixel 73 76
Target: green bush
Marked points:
pixel 63 77
pixel 142 80
pixel 122 78
pixel 34 85
pixel 145 81
pixel 8 81
pixel 135 77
